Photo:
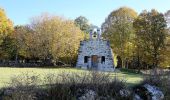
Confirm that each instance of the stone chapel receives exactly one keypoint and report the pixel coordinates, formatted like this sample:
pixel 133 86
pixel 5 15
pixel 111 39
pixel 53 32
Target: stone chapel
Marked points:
pixel 95 53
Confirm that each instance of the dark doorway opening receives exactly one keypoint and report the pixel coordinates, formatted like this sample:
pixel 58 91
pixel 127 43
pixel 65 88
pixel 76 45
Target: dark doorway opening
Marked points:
pixel 85 59
pixel 103 59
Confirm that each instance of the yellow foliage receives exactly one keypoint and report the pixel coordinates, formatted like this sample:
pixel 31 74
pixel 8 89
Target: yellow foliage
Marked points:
pixel 54 37
pixel 6 26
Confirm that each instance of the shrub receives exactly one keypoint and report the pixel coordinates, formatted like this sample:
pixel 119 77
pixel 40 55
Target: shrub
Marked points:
pixel 65 86
pixel 23 87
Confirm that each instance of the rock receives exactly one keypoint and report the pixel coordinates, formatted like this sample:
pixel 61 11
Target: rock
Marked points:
pixel 155 92
pixel 105 98
pixel 137 97
pixel 89 95
pixel 1 91
pixel 148 92
pixel 8 92
pixel 124 93
pixel 142 92
pixel 102 98
pixel 41 94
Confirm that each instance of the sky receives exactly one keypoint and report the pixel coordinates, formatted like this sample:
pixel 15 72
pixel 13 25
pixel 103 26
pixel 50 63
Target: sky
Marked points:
pixel 20 11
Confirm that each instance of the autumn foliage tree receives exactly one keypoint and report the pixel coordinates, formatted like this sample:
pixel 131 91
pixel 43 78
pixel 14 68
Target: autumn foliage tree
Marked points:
pixel 21 37
pixel 138 41
pixel 151 33
pixel 83 23
pixel 49 38
pixel 6 25
pixel 118 29
pixel 6 28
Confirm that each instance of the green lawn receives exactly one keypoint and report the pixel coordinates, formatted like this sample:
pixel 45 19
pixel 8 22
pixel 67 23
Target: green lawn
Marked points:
pixel 6 73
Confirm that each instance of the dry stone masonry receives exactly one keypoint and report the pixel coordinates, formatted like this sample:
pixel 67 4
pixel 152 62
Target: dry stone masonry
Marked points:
pixel 95 53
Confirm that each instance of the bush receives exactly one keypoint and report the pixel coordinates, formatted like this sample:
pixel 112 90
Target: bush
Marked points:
pixel 65 86
pixel 23 87
pixel 73 85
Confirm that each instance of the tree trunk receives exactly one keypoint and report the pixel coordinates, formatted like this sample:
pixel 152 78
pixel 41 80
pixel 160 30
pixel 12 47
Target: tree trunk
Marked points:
pixel 16 58
pixel 138 63
pixel 119 62
pixel 155 59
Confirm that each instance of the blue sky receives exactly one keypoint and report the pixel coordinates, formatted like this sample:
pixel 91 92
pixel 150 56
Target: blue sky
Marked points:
pixel 20 11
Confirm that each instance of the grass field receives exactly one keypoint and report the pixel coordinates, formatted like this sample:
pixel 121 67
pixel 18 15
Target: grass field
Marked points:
pixel 6 73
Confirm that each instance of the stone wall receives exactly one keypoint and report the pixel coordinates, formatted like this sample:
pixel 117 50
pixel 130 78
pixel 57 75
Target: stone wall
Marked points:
pixel 99 48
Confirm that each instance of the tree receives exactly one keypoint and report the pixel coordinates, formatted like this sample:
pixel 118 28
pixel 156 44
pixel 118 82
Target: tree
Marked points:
pixel 20 40
pixel 47 38
pixel 82 23
pixel 118 29
pixel 6 28
pixel 151 32
pixel 7 49
pixel 166 52
pixel 167 17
